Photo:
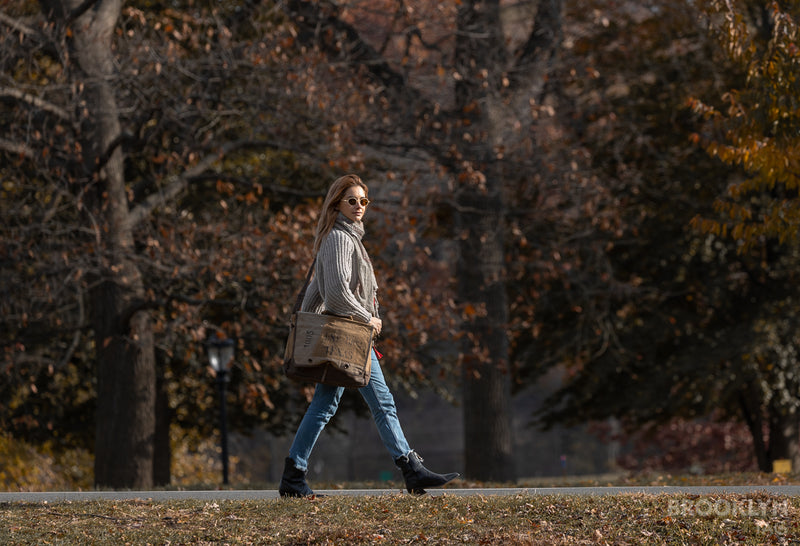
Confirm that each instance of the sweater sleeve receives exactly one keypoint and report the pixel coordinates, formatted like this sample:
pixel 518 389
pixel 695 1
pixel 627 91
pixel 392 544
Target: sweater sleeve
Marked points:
pixel 336 277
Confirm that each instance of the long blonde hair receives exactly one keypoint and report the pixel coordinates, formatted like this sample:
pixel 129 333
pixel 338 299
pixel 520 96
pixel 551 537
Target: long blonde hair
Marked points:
pixel 330 207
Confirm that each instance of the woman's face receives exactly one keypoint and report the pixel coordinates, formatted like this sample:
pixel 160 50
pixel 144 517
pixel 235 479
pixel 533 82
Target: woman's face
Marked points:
pixel 354 212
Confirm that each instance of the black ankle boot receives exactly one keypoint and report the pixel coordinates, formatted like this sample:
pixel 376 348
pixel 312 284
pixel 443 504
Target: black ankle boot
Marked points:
pixel 293 482
pixel 417 477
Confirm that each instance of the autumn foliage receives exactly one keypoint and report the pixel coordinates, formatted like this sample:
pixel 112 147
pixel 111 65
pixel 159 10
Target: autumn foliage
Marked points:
pixel 599 188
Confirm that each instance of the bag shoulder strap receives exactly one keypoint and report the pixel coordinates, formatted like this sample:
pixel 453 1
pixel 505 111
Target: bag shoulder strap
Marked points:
pixel 302 294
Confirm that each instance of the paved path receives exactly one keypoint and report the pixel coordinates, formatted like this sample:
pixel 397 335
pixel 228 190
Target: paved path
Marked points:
pixel 215 495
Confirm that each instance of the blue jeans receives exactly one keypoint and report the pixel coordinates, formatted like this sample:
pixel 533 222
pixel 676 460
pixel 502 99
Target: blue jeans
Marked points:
pixel 323 407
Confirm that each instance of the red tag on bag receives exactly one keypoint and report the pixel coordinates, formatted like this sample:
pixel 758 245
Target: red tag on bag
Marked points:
pixel 377 353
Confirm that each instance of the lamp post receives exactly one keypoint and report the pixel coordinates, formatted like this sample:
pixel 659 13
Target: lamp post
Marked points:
pixel 220 354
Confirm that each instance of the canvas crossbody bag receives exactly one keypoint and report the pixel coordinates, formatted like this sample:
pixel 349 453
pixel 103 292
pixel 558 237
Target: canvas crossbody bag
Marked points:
pixel 325 348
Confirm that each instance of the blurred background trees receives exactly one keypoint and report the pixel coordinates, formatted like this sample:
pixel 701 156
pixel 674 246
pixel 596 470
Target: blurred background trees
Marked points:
pixel 603 189
pixel 712 255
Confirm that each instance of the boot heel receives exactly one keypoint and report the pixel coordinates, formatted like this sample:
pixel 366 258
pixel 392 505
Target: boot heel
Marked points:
pixel 417 477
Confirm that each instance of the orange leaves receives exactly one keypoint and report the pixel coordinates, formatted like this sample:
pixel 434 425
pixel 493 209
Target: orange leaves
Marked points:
pixel 225 188
pixel 758 133
pixel 253 394
pixel 469 311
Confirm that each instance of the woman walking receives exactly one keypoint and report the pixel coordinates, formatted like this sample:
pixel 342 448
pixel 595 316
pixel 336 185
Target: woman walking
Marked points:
pixel 344 284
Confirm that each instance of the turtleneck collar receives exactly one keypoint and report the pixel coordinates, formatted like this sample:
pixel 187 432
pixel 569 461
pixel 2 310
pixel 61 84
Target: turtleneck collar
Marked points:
pixel 354 228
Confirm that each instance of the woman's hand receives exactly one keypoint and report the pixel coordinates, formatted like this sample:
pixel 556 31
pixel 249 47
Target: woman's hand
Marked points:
pixel 376 323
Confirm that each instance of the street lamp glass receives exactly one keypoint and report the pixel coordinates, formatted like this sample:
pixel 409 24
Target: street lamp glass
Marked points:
pixel 220 353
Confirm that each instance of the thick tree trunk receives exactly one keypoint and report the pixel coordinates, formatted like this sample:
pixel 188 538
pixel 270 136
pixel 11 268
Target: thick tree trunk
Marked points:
pixel 784 442
pixel 488 439
pixel 125 424
pixel 782 427
pixel 124 342
pixel 752 418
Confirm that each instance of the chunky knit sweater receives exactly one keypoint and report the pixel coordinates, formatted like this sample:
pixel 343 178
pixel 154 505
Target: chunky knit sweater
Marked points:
pixel 344 282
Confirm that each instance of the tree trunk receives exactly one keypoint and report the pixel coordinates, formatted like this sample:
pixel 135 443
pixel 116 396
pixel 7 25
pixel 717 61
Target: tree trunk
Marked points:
pixel 162 448
pixel 752 418
pixel 784 442
pixel 124 341
pixel 125 424
pixel 783 428
pixel 488 441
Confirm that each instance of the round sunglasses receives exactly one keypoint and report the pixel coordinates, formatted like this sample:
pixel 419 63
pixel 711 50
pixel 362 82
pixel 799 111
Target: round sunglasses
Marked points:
pixel 353 201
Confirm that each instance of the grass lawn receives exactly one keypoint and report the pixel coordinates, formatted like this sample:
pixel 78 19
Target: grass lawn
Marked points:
pixel 407 519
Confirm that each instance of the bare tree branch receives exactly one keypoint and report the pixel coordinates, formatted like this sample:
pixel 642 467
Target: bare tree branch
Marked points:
pixel 35 101
pixel 312 17
pixel 16 148
pixel 177 183
pixel 16 25
pixel 542 44
pixel 113 145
